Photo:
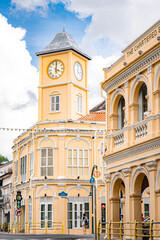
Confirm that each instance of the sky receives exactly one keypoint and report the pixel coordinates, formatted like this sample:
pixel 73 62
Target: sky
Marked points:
pixel 102 29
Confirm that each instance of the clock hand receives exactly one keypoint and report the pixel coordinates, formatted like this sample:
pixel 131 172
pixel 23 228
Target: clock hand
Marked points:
pixel 56 69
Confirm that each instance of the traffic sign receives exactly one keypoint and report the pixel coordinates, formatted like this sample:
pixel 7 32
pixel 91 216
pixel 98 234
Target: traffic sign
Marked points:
pixel 92 180
pixel 96 174
pixel 63 194
pixel 18 212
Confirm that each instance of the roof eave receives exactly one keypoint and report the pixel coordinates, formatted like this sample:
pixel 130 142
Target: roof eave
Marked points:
pixel 63 50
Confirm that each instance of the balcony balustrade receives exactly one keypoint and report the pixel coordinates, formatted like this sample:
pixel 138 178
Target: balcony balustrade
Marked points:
pixel 119 139
pixel 141 129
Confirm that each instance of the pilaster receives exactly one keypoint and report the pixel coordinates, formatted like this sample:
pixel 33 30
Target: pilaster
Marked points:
pixel 152 179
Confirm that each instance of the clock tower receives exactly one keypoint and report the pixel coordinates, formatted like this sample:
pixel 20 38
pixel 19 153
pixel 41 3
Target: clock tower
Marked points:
pixel 62 90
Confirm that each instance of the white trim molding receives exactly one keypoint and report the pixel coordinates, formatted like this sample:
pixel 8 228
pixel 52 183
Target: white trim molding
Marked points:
pixel 138 79
pixel 139 169
pixel 116 92
pixel 46 138
pixel 46 187
pixel 155 78
pixel 78 139
pixel 78 187
pixel 115 177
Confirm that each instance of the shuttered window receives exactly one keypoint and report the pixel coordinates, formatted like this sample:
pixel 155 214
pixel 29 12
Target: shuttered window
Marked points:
pixel 121 119
pixel 142 102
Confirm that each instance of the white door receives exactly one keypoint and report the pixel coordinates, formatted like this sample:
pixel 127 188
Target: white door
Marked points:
pixel 77 215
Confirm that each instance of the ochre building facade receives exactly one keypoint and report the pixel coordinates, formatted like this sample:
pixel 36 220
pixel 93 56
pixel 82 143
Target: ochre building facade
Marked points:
pixel 132 86
pixel 58 153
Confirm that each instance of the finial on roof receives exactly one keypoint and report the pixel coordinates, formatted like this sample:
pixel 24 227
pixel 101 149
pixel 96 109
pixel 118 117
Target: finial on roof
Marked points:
pixel 63 29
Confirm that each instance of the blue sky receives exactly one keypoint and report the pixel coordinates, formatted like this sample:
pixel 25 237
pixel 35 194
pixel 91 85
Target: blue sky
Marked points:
pixel 41 29
pixel 101 28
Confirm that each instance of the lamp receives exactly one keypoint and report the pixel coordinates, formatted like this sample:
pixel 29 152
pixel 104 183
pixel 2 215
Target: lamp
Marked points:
pixel 158 38
pixel 140 52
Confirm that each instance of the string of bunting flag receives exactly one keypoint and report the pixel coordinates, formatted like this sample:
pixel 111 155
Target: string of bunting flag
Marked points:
pixel 35 130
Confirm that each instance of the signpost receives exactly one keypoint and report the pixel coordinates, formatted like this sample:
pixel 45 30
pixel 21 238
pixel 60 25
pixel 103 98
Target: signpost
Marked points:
pixel 96 174
pixel 18 212
pixel 64 195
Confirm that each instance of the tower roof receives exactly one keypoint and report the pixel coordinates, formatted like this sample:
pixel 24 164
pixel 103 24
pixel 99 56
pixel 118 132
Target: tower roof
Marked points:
pixel 62 42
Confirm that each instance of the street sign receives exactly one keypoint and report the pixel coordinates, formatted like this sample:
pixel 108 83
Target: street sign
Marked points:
pixel 63 194
pixel 92 180
pixel 18 212
pixel 96 174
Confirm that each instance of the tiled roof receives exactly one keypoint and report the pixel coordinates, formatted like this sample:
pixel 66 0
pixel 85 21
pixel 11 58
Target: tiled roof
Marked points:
pixel 94 117
pixel 62 42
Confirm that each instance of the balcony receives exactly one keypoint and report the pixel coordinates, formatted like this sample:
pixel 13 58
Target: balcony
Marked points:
pixel 141 129
pixel 118 138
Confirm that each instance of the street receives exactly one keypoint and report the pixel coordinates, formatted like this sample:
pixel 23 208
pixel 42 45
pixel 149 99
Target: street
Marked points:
pixel 47 237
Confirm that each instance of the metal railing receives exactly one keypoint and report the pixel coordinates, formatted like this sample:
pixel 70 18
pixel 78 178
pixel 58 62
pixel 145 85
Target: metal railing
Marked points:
pixel 43 227
pixel 121 230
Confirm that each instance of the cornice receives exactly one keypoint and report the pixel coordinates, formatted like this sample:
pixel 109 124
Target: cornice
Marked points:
pixel 139 66
pixel 55 132
pixel 62 83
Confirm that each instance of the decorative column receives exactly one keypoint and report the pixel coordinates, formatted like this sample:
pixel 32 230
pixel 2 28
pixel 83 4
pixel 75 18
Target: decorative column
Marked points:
pixel 127 113
pixel 115 215
pixel 152 178
pixel 107 186
pixel 151 104
pixel 127 175
pixel 62 165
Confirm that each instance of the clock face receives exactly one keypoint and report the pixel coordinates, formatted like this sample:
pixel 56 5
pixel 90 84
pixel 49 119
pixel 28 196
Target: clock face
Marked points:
pixel 55 69
pixel 78 70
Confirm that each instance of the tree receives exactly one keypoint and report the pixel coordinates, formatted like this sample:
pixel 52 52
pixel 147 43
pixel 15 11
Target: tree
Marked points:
pixel 3 159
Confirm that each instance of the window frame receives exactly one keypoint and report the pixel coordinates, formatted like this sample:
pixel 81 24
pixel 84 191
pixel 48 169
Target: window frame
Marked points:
pixel 78 166
pixel 31 169
pixel 46 202
pixel 79 104
pixel 16 171
pixel 121 113
pixel 55 103
pixel 46 166
pixel 30 207
pixel 142 101
pixel 23 168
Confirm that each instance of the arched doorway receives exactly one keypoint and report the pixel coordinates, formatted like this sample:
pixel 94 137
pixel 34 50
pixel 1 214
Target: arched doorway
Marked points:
pixel 140 184
pixel 117 199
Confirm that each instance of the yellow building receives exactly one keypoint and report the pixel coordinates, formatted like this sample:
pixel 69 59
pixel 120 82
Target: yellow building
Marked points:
pixel 58 153
pixel 132 85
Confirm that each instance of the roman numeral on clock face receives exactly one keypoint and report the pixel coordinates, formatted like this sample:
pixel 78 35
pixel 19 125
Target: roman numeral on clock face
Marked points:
pixel 55 69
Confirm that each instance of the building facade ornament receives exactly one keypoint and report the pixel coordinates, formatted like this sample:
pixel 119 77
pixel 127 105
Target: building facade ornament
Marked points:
pixel 137 67
pixel 150 69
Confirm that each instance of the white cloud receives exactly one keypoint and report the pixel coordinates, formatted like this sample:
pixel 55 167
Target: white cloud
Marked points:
pixel 95 76
pixel 19 80
pixel 33 5
pixel 118 21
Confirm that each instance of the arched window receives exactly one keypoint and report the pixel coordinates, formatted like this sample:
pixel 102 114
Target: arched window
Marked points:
pixel 121 106
pixel 142 102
